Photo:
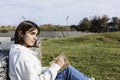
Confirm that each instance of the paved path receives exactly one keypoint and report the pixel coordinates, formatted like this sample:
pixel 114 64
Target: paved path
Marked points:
pixel 5 42
pixel 4 39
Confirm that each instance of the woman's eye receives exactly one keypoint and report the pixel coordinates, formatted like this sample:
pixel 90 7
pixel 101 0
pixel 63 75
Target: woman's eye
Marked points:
pixel 32 33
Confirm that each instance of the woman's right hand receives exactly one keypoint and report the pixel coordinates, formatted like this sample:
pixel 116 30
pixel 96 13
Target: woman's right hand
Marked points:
pixel 60 61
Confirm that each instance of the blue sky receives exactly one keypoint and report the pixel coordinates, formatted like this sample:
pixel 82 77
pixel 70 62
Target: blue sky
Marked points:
pixel 12 12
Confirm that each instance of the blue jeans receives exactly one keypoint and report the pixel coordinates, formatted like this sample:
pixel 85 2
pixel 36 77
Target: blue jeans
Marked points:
pixel 70 73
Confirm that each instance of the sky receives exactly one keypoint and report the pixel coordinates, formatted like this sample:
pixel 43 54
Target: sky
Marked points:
pixel 56 12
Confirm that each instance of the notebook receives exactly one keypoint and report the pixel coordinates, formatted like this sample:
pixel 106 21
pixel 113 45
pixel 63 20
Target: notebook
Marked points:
pixel 62 55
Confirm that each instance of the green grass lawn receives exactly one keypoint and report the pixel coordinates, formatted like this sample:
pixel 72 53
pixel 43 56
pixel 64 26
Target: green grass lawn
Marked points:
pixel 96 55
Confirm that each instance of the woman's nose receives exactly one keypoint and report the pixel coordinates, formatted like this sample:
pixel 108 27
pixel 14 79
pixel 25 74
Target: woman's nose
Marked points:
pixel 35 37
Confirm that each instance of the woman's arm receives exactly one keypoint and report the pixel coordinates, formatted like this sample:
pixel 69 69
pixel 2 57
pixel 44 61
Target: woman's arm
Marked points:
pixel 28 70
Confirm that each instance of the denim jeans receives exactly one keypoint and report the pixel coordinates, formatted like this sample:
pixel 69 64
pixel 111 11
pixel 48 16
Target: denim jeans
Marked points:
pixel 70 73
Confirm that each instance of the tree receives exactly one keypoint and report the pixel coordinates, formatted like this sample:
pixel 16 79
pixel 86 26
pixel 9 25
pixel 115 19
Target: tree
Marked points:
pixel 85 24
pixel 104 23
pixel 115 23
pixel 95 24
pixel 99 24
pixel 75 27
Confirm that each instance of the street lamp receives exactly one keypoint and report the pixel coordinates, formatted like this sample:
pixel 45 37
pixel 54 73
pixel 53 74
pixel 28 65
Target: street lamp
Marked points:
pixel 67 20
pixel 67 23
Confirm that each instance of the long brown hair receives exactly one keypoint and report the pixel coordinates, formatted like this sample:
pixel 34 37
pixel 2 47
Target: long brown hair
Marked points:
pixel 24 27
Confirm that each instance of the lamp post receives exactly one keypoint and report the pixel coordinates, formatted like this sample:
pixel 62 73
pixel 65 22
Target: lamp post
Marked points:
pixel 67 23
pixel 67 20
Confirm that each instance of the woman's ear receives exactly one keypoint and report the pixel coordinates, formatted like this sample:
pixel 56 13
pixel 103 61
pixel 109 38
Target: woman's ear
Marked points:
pixel 20 34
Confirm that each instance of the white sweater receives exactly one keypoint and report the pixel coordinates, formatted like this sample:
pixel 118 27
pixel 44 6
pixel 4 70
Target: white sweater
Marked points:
pixel 23 65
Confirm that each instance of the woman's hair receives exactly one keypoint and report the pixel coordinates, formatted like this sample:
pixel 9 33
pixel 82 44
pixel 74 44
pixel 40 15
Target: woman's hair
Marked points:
pixel 24 27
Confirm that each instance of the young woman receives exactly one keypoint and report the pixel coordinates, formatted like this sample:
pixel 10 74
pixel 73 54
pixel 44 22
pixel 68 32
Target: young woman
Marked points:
pixel 23 65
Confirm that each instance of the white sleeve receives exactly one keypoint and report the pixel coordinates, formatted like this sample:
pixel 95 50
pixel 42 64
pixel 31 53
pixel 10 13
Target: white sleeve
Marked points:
pixel 27 71
pixel 50 73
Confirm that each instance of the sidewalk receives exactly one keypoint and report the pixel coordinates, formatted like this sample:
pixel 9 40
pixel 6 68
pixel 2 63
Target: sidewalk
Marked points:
pixel 5 42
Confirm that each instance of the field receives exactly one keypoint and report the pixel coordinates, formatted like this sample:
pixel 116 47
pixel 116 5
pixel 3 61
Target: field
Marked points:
pixel 96 55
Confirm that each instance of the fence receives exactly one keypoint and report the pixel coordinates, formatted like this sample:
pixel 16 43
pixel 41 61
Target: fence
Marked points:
pixel 51 34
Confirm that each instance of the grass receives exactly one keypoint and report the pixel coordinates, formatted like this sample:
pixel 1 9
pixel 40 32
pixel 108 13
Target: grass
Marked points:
pixel 96 55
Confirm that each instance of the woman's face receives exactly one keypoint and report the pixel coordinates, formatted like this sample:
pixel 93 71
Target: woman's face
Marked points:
pixel 30 38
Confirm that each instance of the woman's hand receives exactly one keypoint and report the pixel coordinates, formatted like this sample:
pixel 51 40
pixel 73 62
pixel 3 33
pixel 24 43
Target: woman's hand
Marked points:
pixel 60 61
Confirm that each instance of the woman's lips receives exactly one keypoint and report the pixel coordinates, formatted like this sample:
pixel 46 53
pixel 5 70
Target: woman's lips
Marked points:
pixel 33 41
